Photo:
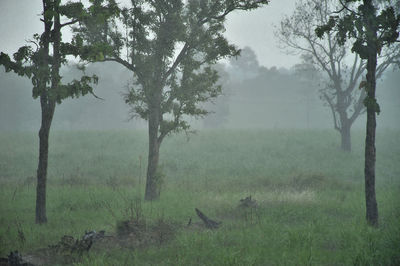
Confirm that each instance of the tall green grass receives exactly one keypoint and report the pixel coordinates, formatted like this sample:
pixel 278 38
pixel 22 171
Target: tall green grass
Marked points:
pixel 309 194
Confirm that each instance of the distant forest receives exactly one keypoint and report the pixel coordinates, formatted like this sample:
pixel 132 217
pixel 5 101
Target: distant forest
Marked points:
pixel 253 96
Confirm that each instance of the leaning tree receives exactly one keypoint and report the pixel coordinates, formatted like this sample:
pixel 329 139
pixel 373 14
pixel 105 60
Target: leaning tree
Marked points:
pixel 169 46
pixel 41 62
pixel 343 71
pixel 371 26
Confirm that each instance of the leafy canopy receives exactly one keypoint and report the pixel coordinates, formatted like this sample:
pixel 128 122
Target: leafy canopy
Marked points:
pixel 170 46
pixel 36 62
pixel 352 26
pixel 371 25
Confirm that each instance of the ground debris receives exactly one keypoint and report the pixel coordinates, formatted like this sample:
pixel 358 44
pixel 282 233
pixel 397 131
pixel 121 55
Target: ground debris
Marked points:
pixel 211 224
pixel 68 244
pixel 248 202
pixel 14 259
pixel 134 233
pixel 131 228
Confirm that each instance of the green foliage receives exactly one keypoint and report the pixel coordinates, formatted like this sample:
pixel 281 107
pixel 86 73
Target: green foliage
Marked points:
pixel 371 27
pixel 72 10
pixel 169 46
pixel 96 19
pixel 325 28
pixel 37 64
pixel 372 104
pixel 352 25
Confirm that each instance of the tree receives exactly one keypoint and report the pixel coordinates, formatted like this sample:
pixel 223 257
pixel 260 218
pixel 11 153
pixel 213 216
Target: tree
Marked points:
pixel 41 62
pixel 310 78
pixel 372 27
pixel 219 108
pixel 246 65
pixel 340 92
pixel 169 46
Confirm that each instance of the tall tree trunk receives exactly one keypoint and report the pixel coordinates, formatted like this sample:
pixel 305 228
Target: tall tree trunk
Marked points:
pixel 370 151
pixel 369 170
pixel 48 105
pixel 47 117
pixel 345 137
pixel 345 122
pixel 152 182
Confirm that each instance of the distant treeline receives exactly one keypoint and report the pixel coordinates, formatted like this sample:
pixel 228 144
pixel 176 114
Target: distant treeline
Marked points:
pixel 253 97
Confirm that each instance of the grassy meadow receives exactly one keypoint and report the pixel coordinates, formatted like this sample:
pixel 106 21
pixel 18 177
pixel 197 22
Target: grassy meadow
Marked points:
pixel 310 198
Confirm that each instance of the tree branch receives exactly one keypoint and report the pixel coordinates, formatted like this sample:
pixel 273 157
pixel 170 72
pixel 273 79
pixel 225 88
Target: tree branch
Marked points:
pixel 358 107
pixel 356 74
pixel 177 61
pixel 332 106
pixel 125 63
pixel 69 23
pixel 165 131
pixel 344 7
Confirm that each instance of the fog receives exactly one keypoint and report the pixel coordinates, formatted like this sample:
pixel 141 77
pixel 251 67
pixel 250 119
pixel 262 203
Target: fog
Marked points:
pixel 261 89
pixel 253 96
pixel 22 17
pixel 276 173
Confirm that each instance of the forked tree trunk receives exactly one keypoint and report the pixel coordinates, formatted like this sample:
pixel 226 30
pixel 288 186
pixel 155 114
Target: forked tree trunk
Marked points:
pixel 152 183
pixel 47 117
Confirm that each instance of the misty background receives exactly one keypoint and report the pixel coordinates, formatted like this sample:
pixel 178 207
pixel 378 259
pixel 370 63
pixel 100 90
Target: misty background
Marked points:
pixel 261 88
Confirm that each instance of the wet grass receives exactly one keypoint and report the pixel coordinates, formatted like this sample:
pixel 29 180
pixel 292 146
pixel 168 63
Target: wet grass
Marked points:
pixel 310 201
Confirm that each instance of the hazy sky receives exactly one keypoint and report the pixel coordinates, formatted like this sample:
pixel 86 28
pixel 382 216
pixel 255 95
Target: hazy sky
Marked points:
pixel 19 19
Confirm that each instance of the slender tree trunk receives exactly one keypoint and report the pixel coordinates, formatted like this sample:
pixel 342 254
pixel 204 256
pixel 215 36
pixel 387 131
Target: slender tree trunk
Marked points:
pixel 345 138
pixel 152 186
pixel 47 117
pixel 345 123
pixel 370 151
pixel 48 105
pixel 369 171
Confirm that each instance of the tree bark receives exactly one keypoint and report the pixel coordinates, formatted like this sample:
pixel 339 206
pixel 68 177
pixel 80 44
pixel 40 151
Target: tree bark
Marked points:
pixel 40 214
pixel 47 117
pixel 48 104
pixel 345 138
pixel 370 150
pixel 152 183
pixel 369 171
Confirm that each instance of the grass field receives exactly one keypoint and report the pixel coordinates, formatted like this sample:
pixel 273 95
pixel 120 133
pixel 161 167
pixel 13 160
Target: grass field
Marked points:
pixel 310 198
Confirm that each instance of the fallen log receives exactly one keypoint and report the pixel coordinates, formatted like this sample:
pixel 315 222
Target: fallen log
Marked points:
pixel 211 224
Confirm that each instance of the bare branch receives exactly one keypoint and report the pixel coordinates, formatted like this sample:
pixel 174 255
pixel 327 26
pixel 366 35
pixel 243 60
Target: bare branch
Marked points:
pixel 333 110
pixel 35 43
pixel 344 7
pixel 97 97
pixel 357 70
pixel 358 108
